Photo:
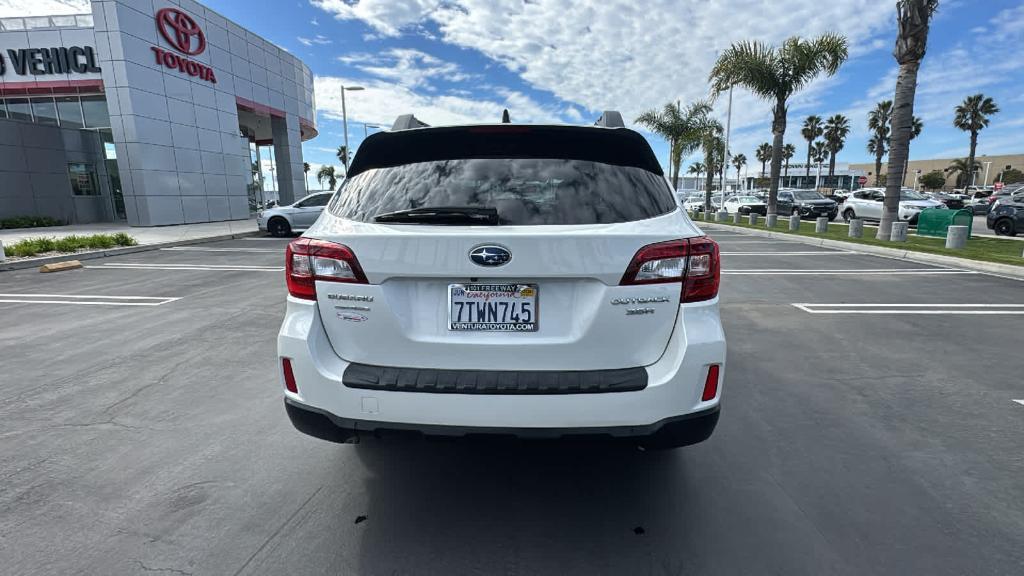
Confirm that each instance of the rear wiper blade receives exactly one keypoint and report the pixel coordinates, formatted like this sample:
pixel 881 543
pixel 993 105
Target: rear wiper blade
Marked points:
pixel 453 215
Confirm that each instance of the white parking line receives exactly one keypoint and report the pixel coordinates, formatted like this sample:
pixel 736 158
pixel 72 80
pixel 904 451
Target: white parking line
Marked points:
pixel 247 250
pixel 1021 402
pixel 264 238
pixel 85 299
pixel 202 267
pixel 914 308
pixel 874 272
pixel 804 253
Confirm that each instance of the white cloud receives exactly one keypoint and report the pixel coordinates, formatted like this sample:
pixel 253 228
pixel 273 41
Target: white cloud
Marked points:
pixel 14 8
pixel 406 66
pixel 386 16
pixel 383 101
pixel 319 40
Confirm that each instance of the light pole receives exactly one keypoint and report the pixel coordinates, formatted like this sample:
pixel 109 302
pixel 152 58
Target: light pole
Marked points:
pixel 728 131
pixel 344 121
pixel 985 181
pixel 365 126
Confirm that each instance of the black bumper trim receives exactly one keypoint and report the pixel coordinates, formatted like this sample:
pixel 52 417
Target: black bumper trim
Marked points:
pixel 670 432
pixel 434 381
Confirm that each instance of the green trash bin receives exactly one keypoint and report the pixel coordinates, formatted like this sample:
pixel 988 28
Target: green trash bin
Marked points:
pixel 936 221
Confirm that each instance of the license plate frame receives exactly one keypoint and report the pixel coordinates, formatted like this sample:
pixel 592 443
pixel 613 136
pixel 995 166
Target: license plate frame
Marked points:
pixel 513 289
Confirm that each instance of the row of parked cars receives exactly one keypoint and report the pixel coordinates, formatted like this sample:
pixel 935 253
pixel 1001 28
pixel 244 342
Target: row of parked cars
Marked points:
pixel 1005 208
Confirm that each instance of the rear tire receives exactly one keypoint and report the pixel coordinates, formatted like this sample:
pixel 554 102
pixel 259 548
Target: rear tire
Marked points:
pixel 849 215
pixel 1004 227
pixel 279 227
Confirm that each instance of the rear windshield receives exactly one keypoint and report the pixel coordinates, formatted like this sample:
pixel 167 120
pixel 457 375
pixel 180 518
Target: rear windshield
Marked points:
pixel 524 191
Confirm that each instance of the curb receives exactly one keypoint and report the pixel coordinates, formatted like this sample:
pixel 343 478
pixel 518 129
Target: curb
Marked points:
pixel 1016 272
pixel 36 262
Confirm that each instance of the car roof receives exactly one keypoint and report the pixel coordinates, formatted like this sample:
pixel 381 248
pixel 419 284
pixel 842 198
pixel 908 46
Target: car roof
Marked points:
pixel 616 146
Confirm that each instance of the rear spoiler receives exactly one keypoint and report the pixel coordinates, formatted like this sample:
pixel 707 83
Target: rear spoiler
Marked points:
pixel 408 122
pixel 609 119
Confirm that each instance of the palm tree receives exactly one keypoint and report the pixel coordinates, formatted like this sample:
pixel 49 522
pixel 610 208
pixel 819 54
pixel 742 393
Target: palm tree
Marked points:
pixel 913 18
pixel 775 74
pixel 763 155
pixel 305 174
pixel 343 154
pixel 972 116
pixel 788 151
pixel 739 161
pixel 819 153
pixel 959 168
pixel 681 127
pixel 697 168
pixel 916 127
pixel 837 128
pixel 878 122
pixel 327 173
pixel 811 129
pixel 713 147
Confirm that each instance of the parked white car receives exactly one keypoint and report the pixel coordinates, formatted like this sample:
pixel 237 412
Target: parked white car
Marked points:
pixel 536 281
pixel 867 203
pixel 695 202
pixel 745 205
pixel 285 220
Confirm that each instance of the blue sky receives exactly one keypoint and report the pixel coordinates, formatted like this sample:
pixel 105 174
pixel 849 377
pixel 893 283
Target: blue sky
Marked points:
pixel 456 61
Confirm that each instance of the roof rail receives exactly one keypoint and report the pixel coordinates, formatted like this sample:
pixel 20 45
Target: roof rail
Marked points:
pixel 610 119
pixel 408 122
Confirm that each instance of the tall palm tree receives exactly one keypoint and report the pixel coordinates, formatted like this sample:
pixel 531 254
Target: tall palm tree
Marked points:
pixel 819 153
pixel 764 156
pixel 697 168
pixel 913 18
pixel 327 173
pixel 811 129
pixel 681 127
pixel 972 116
pixel 837 128
pixel 713 147
pixel 788 151
pixel 775 74
pixel 739 161
pixel 343 154
pixel 916 127
pixel 960 169
pixel 305 174
pixel 879 123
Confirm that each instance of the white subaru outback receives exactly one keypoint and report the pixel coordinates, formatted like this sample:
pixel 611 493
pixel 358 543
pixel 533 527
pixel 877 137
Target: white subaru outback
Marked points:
pixel 535 281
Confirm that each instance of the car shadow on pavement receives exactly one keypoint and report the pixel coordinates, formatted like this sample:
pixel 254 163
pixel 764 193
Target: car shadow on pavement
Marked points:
pixel 496 506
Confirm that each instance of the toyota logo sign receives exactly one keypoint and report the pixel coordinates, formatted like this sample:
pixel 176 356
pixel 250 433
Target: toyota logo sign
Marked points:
pixel 181 31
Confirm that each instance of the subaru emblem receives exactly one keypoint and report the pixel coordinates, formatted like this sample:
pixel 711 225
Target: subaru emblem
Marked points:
pixel 490 255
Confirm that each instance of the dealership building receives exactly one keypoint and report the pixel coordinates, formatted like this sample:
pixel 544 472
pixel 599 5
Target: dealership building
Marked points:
pixel 149 112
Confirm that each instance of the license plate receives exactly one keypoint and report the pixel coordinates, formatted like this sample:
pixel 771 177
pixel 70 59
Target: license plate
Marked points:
pixel 492 307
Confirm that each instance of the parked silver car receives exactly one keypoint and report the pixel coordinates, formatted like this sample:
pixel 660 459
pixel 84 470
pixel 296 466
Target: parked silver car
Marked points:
pixel 867 203
pixel 297 217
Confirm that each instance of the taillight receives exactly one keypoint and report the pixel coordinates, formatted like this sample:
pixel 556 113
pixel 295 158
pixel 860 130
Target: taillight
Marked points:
pixel 289 376
pixel 694 262
pixel 308 260
pixel 710 384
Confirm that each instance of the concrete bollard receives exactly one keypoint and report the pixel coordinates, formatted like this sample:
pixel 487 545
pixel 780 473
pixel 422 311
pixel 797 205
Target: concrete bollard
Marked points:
pixel 771 220
pixel 709 216
pixel 956 237
pixel 794 223
pixel 821 225
pixel 856 228
pixel 736 218
pixel 899 231
pixel 723 216
pixel 753 219
pixel 3 255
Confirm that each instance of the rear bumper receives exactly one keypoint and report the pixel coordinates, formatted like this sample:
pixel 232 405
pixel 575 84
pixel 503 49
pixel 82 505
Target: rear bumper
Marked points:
pixel 673 389
pixel 675 431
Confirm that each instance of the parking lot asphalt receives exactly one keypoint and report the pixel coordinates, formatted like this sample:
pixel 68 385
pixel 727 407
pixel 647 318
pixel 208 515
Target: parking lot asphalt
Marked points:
pixel 873 418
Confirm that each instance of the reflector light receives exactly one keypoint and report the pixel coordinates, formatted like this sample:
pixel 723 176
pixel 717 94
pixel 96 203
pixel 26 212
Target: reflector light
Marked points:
pixel 289 376
pixel 710 384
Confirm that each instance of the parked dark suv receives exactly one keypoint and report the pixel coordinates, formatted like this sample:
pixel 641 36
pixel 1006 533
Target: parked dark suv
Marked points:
pixel 806 203
pixel 1007 218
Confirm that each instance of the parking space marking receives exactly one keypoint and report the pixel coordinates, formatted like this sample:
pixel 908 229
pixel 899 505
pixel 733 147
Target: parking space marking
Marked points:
pixel 867 272
pixel 201 267
pixel 914 308
pixel 85 299
pixel 801 253
pixel 264 238
pixel 1021 402
pixel 248 250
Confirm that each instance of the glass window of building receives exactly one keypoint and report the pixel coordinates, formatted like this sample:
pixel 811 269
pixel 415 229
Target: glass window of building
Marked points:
pixel 19 109
pixel 95 109
pixel 70 112
pixel 45 111
pixel 83 179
